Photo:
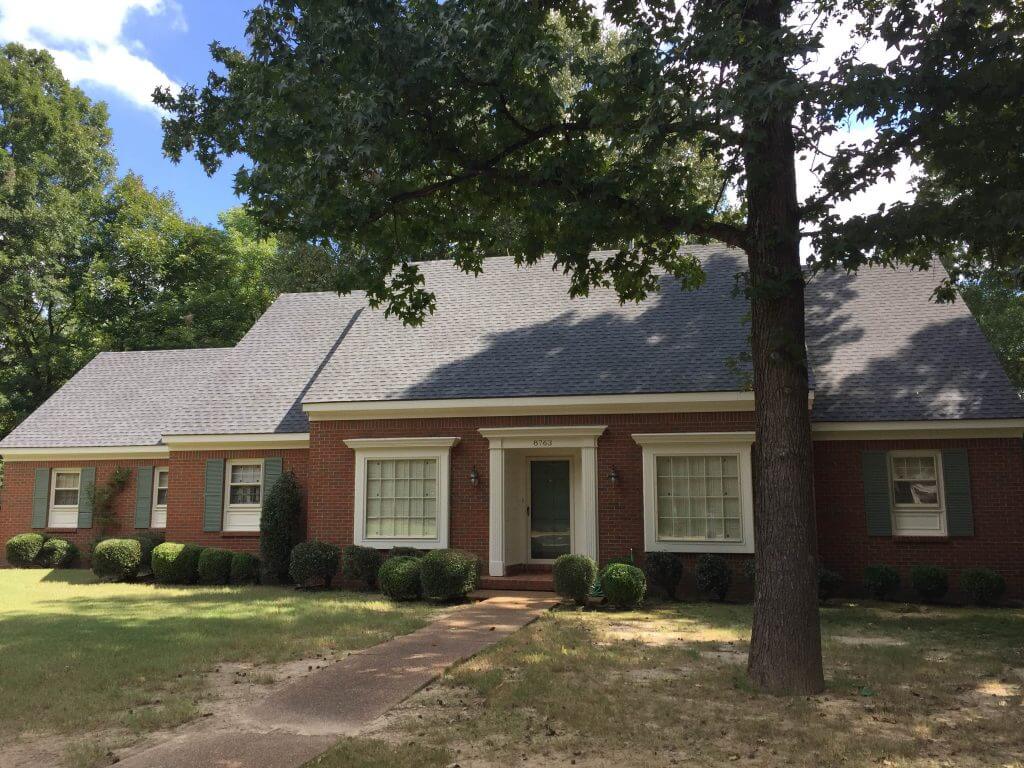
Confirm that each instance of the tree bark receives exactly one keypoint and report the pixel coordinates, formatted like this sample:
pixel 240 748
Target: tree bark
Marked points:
pixel 785 647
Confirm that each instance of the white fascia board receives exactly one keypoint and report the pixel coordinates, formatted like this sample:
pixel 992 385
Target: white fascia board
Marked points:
pixel 85 453
pixel 917 430
pixel 237 442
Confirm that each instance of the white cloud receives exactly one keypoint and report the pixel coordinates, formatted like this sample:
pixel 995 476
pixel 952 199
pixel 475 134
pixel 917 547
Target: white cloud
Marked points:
pixel 86 41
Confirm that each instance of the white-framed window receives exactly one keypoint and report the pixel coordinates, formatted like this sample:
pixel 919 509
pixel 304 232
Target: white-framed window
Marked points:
pixel 65 493
pixel 401 492
pixel 918 500
pixel 698 492
pixel 243 494
pixel 158 517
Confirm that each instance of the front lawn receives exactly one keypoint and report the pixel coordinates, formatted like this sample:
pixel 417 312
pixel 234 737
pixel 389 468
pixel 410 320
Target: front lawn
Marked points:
pixel 907 686
pixel 79 656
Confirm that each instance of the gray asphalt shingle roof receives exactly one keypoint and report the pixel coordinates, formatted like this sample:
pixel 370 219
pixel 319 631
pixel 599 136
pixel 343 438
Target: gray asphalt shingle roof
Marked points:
pixel 880 350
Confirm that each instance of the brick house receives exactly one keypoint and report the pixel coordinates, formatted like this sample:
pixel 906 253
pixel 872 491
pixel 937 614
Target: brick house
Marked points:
pixel 519 424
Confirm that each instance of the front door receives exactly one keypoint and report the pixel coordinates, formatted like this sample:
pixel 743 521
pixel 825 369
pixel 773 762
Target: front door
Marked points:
pixel 549 508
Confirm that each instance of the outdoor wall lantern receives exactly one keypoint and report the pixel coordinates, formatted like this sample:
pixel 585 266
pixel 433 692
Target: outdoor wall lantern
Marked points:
pixel 613 476
pixel 474 476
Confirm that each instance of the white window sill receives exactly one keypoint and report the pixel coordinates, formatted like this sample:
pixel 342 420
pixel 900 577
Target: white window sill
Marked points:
pixel 710 545
pixel 390 543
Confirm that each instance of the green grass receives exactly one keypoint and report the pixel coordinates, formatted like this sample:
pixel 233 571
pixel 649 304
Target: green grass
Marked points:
pixel 77 655
pixel 370 753
pixel 667 686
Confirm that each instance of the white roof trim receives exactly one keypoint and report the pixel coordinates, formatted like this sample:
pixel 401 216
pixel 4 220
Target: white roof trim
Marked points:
pixel 383 443
pixel 911 430
pixel 71 453
pixel 229 442
pixel 692 438
pixel 534 406
pixel 543 437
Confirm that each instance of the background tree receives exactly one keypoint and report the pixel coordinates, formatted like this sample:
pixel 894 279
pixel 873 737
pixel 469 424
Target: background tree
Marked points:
pixel 397 130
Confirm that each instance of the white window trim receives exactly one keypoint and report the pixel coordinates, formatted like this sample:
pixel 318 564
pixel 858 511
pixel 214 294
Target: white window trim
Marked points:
pixel 938 509
pixel 230 508
pixel 161 508
pixel 697 444
pixel 437 448
pixel 66 508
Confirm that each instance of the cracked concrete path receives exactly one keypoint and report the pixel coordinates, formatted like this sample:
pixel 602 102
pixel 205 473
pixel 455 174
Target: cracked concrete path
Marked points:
pixel 305 717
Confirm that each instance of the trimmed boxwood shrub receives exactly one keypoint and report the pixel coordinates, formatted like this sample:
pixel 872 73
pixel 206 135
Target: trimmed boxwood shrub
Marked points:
pixel 881 581
pixel 117 559
pixel 245 568
pixel 313 561
pixel 714 576
pixel 279 527
pixel 750 571
pixel 930 582
pixel 624 585
pixel 982 586
pixel 57 553
pixel 447 574
pixel 361 564
pixel 176 563
pixel 23 549
pixel 575 576
pixel 214 566
pixel 828 583
pixel 664 570
pixel 399 578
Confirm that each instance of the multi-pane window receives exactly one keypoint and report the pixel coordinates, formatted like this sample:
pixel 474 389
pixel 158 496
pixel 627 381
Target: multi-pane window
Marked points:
pixel 246 481
pixel 401 498
pixel 243 495
pixel 917 503
pixel 698 498
pixel 65 493
pixel 159 516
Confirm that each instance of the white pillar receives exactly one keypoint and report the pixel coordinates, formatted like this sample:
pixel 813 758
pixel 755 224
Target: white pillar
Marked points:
pixel 586 532
pixel 496 549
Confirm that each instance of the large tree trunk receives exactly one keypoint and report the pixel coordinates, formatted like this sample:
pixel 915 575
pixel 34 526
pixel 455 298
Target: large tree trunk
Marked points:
pixel 785 648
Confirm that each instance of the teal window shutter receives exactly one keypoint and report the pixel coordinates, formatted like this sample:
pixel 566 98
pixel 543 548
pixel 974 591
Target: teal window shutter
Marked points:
pixel 41 498
pixel 956 484
pixel 86 484
pixel 213 499
pixel 272 469
pixel 877 508
pixel 143 497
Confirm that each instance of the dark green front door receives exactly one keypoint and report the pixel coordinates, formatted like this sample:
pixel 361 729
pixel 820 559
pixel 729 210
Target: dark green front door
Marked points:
pixel 549 509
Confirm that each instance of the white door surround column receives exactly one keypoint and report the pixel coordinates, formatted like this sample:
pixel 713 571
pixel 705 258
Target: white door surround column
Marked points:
pixel 584 439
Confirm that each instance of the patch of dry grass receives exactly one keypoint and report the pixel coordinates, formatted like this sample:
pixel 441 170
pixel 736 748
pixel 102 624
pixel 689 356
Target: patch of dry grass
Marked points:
pixel 907 687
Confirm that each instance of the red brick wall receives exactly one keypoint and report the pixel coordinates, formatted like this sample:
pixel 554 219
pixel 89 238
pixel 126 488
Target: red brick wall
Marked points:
pixel 16 500
pixel 997 497
pixel 185 493
pixel 620 506
pixel 184 497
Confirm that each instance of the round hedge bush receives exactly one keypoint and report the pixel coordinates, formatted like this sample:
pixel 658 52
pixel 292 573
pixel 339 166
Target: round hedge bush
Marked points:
pixel 574 577
pixel 399 578
pixel 829 582
pixel 447 574
pixel 982 586
pixel 361 564
pixel 176 563
pixel 214 566
pixel 930 582
pixel 117 559
pixel 881 581
pixel 313 561
pixel 714 576
pixel 23 549
pixel 624 585
pixel 245 569
pixel 57 553
pixel 664 569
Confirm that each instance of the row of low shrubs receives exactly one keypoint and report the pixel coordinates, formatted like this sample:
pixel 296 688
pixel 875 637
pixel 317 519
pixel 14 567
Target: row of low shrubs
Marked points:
pixel 441 575
pixel 981 586
pixel 172 563
pixel 29 550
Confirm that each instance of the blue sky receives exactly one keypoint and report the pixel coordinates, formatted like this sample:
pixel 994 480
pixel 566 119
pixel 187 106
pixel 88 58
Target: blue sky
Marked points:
pixel 117 51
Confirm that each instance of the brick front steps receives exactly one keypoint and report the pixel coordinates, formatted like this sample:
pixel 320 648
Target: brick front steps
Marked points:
pixel 521 578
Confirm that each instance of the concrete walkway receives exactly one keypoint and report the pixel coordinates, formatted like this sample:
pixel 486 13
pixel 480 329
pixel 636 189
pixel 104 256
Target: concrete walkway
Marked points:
pixel 302 719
